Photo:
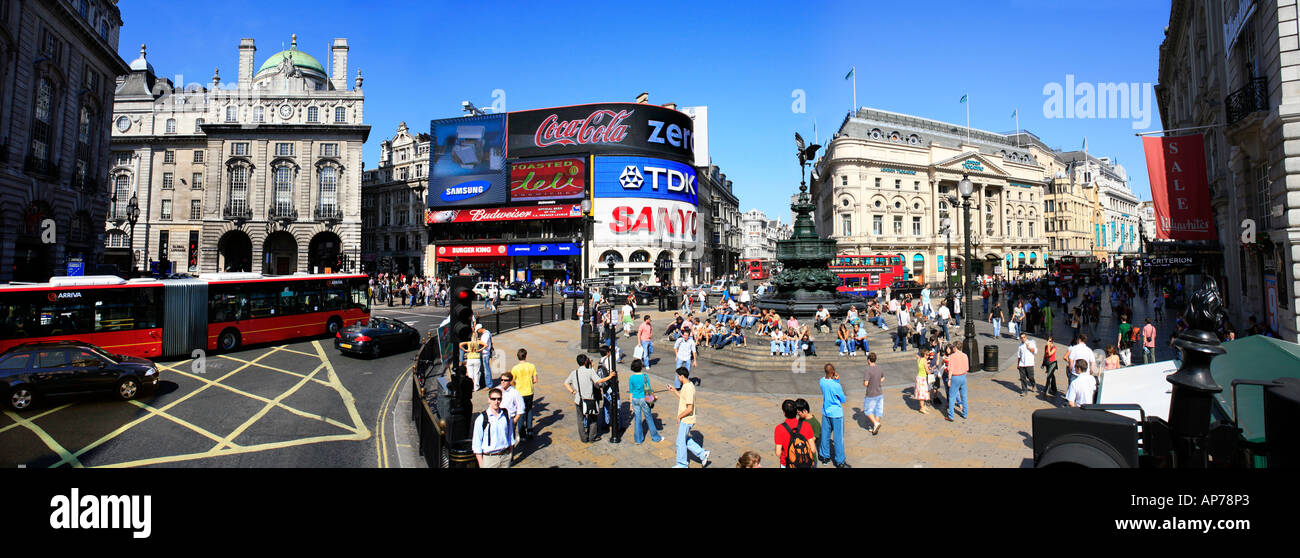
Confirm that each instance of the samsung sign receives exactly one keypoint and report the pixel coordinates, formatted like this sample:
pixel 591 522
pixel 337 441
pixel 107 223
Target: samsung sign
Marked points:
pixel 464 191
pixel 645 177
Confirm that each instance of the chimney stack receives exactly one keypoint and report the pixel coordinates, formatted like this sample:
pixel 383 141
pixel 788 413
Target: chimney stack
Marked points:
pixel 339 70
pixel 643 98
pixel 246 52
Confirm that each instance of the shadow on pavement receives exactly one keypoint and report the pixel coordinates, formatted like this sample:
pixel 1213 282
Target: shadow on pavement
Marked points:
pixel 1027 438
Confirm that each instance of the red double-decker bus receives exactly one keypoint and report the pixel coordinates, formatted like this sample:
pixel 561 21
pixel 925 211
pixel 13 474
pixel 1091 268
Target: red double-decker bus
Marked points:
pixel 172 317
pixel 757 269
pixel 866 275
pixel 1074 265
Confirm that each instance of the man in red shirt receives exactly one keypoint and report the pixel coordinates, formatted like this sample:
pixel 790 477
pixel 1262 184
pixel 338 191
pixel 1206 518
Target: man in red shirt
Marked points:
pixel 645 336
pixel 958 366
pixel 804 450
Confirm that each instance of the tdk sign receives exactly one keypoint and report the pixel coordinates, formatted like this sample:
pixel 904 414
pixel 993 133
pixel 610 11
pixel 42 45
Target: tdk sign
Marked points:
pixel 465 190
pixel 644 177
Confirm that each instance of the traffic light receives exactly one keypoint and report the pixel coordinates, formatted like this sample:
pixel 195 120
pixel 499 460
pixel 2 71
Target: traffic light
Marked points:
pixel 462 308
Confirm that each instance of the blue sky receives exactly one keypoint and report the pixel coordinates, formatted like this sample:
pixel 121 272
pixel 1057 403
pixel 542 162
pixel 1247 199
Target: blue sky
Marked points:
pixel 743 60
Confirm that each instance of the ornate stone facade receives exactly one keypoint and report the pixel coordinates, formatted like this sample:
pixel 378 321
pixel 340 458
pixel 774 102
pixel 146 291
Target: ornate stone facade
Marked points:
pixel 264 176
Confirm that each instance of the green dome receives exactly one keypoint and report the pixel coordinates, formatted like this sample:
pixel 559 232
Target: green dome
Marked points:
pixel 300 59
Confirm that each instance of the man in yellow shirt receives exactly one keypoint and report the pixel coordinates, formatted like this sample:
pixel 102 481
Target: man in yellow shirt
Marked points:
pixel 525 378
pixel 686 421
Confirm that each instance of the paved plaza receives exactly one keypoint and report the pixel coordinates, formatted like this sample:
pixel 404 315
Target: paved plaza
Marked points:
pixel 738 409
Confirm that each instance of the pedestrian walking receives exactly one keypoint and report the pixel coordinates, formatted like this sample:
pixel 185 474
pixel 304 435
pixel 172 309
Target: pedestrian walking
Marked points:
pixel 473 351
pixel 1025 362
pixel 832 418
pixel 996 317
pixel 795 441
pixel 921 393
pixel 1125 341
pixel 873 404
pixel 1047 314
pixel 642 396
pixel 685 351
pixel 1083 388
pixel 582 382
pixel 686 445
pixel 525 379
pixel 1049 367
pixel 904 320
pixel 958 365
pixel 493 435
pixel 1148 342
pixel 485 337
pixel 645 336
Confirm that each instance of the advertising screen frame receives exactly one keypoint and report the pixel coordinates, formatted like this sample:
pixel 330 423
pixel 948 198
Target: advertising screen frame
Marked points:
pixel 491 148
pixel 601 128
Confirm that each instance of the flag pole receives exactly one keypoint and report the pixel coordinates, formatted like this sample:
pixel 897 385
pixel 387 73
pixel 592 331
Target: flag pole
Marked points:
pixel 855 89
pixel 967 103
pixel 1017 127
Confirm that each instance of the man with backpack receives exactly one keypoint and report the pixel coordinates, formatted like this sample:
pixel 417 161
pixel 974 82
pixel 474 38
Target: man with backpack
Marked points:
pixel 493 435
pixel 582 382
pixel 795 440
pixel 1127 335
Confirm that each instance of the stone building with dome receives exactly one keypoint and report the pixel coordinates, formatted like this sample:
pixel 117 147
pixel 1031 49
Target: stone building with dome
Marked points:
pixel 261 175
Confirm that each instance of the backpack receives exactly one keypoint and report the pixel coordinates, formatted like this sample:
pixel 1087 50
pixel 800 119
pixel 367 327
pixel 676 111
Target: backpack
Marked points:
pixel 798 455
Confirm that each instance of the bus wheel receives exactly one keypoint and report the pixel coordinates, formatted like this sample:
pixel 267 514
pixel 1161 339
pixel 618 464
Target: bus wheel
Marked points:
pixel 228 340
pixel 333 326
pixel 21 398
pixel 127 388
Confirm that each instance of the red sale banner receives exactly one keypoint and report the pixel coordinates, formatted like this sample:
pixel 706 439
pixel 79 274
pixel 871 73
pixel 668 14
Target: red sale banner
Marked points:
pixel 502 214
pixel 1176 168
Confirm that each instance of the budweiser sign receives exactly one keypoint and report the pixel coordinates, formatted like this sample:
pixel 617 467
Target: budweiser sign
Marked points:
pixel 554 179
pixel 502 214
pixel 601 126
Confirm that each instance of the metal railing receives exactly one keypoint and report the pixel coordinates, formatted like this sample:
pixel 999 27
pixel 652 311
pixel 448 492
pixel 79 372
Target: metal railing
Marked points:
pixel 282 212
pixel 43 167
pixel 1250 98
pixel 328 213
pixel 237 211
pixel 431 415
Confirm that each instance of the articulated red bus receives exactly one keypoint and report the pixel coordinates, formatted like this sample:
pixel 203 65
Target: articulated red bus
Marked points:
pixel 172 317
pixel 866 275
pixel 757 269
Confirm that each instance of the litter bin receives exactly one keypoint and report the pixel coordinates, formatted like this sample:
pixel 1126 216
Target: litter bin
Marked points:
pixel 990 358
pixel 462 455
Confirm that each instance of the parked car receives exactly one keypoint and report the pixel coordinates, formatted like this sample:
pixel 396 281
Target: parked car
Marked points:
pixel 650 294
pixel 482 288
pixel 904 287
pixel 377 336
pixel 35 370
pixel 526 290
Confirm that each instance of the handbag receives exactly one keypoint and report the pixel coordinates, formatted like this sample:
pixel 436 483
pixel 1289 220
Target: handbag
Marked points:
pixel 649 394
pixel 639 351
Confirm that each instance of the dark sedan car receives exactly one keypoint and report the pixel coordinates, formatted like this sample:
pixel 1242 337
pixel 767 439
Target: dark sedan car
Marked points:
pixel 526 290
pixel 573 291
pixel 34 370
pixel 377 336
pixel 650 294
pixel 902 288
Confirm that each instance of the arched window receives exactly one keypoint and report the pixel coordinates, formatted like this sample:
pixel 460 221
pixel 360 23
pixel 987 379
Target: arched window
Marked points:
pixel 1033 258
pixel 918 267
pixel 639 256
pixel 340 115
pixel 121 196
pixel 618 258
pixel 42 130
pixel 283 188
pixel 239 189
pixel 328 190
pixel 171 125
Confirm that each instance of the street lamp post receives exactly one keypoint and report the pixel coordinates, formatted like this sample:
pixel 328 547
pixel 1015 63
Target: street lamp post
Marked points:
pixel 947 233
pixel 614 433
pixel 969 345
pixel 587 330
pixel 132 215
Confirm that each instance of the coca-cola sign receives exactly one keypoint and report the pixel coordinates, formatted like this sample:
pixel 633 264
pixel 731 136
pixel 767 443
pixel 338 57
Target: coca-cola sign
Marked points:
pixel 601 126
pixel 549 179
pixel 607 128
pixel 502 214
